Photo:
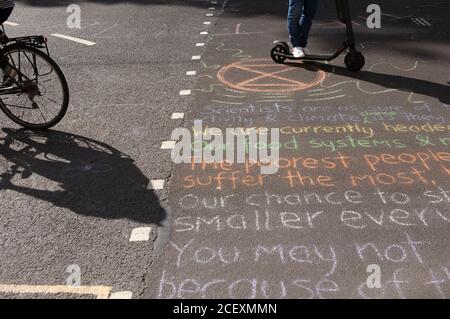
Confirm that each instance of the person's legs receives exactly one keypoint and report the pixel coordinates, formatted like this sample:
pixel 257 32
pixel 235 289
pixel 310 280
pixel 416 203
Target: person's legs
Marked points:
pixel 294 15
pixel 309 11
pixel 4 15
pixel 8 72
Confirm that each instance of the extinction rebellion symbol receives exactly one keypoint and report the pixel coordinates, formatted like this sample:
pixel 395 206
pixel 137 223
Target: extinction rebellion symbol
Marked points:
pixel 262 75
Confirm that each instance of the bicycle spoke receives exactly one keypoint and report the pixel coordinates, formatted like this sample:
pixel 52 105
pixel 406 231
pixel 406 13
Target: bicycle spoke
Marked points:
pixel 42 116
pixel 48 110
pixel 46 97
pixel 45 81
pixel 53 114
pixel 19 106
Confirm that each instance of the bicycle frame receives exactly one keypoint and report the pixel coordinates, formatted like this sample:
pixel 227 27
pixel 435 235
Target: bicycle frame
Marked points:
pixel 24 77
pixel 36 41
pixel 21 78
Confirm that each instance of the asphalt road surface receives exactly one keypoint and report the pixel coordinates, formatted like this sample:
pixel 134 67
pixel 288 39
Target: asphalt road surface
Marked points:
pixel 363 169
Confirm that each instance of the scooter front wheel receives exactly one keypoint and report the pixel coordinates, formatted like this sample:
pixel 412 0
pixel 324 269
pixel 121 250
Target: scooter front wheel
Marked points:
pixel 354 61
pixel 278 53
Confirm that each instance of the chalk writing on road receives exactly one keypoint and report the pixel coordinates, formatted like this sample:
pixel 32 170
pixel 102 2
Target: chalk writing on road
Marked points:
pixel 362 179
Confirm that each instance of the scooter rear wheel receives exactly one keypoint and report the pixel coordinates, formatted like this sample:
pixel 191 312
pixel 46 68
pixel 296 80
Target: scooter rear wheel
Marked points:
pixel 354 61
pixel 278 53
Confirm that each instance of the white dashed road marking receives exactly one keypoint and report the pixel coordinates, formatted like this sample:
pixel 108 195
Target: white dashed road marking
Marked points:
pixel 66 37
pixel 185 92
pixel 191 72
pixel 196 57
pixel 177 116
pixel 238 28
pixel 157 184
pixel 168 145
pixel 140 234
pixel 13 24
pixel 121 295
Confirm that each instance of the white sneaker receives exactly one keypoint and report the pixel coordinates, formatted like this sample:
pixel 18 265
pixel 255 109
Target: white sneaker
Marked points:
pixel 297 52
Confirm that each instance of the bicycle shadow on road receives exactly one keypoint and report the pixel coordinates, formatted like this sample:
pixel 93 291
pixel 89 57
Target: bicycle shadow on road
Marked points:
pixel 92 177
pixel 397 82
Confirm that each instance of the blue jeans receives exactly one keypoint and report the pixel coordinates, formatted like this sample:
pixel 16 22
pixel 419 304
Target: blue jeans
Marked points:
pixel 300 18
pixel 4 15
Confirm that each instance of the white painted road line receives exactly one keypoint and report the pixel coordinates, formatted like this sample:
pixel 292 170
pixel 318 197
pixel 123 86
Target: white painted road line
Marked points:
pixel 101 292
pixel 185 92
pixel 191 72
pixel 168 145
pixel 212 8
pixel 157 184
pixel 66 37
pixel 13 24
pixel 200 44
pixel 121 295
pixel 140 234
pixel 204 32
pixel 177 116
pixel 207 22
pixel 196 57
pixel 210 15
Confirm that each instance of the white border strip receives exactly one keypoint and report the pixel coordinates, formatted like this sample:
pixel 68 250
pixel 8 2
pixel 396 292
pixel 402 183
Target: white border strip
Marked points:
pixel 66 37
pixel 13 24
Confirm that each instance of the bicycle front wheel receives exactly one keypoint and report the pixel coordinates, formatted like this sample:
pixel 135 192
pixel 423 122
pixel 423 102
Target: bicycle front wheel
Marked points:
pixel 39 96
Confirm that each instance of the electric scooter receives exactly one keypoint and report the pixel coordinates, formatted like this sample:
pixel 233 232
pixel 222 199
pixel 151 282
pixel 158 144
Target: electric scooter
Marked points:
pixel 354 60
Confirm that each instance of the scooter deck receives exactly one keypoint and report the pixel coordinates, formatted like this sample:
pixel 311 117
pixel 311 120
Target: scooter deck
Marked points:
pixel 314 57
pixel 309 57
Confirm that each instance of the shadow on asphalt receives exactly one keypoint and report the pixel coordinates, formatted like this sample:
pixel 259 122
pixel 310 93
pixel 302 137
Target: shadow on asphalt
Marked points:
pixel 93 178
pixel 389 81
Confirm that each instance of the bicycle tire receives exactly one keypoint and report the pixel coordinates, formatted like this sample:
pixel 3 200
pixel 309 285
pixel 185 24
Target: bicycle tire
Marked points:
pixel 63 82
